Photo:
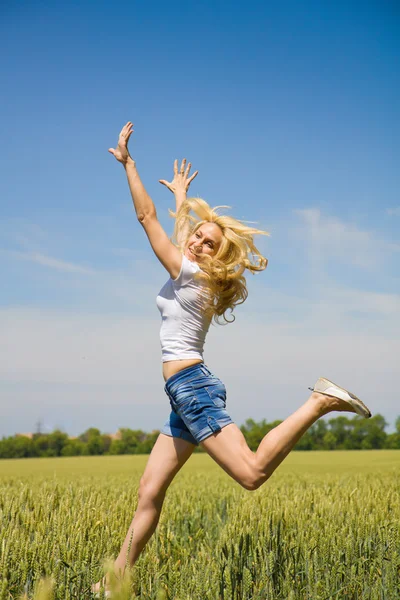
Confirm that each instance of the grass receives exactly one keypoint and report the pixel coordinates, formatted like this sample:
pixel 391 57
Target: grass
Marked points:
pixel 325 526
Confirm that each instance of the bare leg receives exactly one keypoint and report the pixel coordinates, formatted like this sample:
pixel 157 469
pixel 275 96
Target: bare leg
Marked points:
pixel 166 459
pixel 230 450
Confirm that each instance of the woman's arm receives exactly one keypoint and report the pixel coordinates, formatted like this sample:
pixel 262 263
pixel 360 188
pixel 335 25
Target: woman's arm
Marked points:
pixel 166 252
pixel 179 186
pixel 142 202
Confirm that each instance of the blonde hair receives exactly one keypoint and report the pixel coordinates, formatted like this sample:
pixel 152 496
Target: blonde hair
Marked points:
pixel 222 275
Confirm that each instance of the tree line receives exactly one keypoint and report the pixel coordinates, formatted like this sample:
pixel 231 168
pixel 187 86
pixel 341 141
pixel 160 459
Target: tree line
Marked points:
pixel 340 433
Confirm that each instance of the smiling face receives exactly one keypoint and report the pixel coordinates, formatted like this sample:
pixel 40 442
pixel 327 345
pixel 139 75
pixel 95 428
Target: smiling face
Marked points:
pixel 205 240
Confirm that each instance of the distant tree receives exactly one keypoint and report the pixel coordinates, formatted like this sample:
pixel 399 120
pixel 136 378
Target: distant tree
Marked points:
pixel 129 443
pixel 341 427
pixel 74 448
pixel 91 432
pixel 41 445
pixel 358 432
pixel 23 447
pixel 94 441
pixel 106 442
pixel 373 432
pixel 116 447
pixel 16 447
pixel 313 439
pixel 393 439
pixel 5 445
pixel 317 433
pixel 341 432
pixel 329 441
pixel 56 442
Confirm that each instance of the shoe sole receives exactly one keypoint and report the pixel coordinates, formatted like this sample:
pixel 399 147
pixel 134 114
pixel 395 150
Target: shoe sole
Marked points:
pixel 327 387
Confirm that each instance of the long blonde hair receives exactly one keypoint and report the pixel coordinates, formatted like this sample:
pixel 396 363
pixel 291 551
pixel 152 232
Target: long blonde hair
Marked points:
pixel 221 275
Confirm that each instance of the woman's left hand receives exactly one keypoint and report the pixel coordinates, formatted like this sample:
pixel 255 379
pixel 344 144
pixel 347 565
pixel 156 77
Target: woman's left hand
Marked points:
pixel 181 180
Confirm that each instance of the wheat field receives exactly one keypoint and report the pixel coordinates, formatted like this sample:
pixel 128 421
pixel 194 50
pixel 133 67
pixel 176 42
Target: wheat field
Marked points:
pixel 326 525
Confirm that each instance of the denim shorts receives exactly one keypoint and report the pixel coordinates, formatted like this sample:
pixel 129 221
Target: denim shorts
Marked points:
pixel 198 401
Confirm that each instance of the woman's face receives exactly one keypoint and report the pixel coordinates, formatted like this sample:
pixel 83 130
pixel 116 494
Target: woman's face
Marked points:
pixel 205 240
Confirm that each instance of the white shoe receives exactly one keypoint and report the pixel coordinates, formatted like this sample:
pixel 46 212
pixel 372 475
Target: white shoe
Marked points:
pixel 324 386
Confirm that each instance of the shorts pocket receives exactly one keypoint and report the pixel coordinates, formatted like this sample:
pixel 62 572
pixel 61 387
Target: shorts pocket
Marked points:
pixel 183 395
pixel 217 393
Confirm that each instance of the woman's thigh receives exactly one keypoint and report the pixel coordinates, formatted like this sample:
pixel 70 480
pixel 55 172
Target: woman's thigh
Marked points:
pixel 167 457
pixel 230 450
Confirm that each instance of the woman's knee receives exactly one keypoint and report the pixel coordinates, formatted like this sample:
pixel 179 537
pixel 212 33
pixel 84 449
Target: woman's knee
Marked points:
pixel 252 480
pixel 150 492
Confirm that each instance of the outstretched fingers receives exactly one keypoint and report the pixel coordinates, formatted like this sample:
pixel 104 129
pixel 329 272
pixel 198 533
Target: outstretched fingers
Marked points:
pixel 181 180
pixel 186 176
pixel 189 181
pixel 126 131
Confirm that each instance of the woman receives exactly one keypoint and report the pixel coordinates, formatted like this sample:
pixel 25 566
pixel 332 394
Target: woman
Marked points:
pixel 206 269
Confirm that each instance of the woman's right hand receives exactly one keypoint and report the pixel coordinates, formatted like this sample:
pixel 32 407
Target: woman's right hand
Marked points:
pixel 121 151
pixel 181 180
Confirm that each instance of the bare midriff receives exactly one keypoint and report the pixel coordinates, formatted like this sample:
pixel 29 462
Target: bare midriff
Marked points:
pixel 174 366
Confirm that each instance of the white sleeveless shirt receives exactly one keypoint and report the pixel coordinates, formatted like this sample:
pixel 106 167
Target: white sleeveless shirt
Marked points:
pixel 184 325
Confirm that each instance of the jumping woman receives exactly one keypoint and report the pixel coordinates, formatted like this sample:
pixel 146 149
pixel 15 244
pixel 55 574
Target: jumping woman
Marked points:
pixel 206 265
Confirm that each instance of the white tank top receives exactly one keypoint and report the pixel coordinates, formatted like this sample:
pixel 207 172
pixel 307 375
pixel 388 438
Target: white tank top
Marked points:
pixel 184 325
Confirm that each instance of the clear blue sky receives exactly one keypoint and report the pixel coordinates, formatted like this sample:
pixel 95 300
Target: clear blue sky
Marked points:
pixel 291 115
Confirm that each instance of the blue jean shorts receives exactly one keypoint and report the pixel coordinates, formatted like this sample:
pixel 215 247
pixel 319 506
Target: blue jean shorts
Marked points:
pixel 198 401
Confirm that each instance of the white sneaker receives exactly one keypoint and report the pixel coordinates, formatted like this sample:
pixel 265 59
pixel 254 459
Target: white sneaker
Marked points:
pixel 324 386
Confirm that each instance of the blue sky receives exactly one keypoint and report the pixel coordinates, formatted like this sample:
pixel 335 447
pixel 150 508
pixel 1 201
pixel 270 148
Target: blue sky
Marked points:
pixel 291 115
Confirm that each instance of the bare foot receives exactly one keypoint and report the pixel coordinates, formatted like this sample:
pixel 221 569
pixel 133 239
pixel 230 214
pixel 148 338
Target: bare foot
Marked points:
pixel 100 585
pixel 111 582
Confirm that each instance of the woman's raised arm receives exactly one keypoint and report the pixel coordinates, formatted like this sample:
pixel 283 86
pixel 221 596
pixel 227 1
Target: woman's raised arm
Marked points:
pixel 142 202
pixel 179 186
pixel 146 212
